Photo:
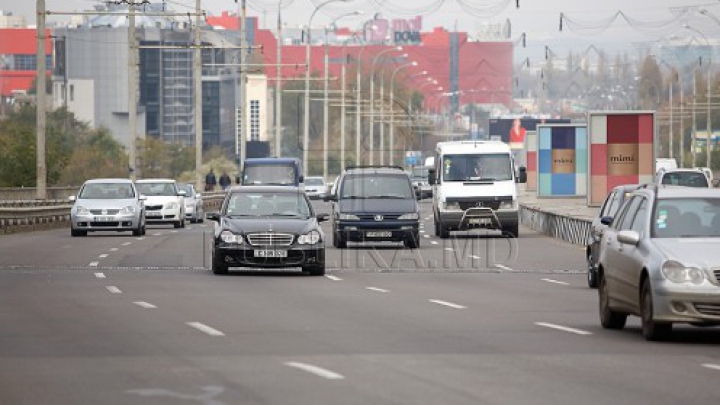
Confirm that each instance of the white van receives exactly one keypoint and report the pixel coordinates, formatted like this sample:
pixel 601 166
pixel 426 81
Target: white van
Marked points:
pixel 474 187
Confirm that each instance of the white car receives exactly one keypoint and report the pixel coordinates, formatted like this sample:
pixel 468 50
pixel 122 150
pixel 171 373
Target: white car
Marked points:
pixel 165 202
pixel 194 205
pixel 315 188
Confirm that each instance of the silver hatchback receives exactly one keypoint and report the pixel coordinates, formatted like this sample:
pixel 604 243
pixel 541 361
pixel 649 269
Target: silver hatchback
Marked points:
pixel 658 260
pixel 107 205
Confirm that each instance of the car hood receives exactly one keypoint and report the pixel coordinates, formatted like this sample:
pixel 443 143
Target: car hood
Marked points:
pixel 690 251
pixel 265 224
pixel 160 199
pixel 119 204
pixel 378 206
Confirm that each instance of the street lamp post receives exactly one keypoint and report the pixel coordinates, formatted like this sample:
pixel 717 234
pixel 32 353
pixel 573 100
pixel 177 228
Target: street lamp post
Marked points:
pixel 392 108
pixel 372 102
pixel 382 115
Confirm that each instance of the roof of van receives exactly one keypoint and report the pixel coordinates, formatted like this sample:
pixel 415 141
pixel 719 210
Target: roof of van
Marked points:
pixel 472 147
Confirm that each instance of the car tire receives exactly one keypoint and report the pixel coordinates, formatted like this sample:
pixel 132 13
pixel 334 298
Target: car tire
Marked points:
pixel 315 270
pixel 75 232
pixel 338 241
pixel 138 231
pixel 218 268
pixel 180 224
pixel 591 273
pixel 413 242
pixel 512 231
pixel 441 231
pixel 653 331
pixel 609 319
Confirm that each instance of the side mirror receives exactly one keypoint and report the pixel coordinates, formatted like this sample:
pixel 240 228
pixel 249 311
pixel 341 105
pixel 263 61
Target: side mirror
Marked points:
pixel 330 197
pixel 628 237
pixel 198 195
pixel 142 197
pixel 213 216
pixel 522 175
pixel 302 179
pixel 606 220
pixel 323 217
pixel 72 198
pixel 182 193
pixel 431 177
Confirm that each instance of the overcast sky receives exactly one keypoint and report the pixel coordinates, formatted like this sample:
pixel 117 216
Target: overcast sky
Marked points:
pixel 539 19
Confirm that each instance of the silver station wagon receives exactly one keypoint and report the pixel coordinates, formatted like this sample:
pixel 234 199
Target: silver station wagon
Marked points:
pixel 107 205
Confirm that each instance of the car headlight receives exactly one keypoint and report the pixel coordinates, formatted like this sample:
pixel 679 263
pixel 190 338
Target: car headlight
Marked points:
pixel 310 238
pixel 82 210
pixel 413 215
pixel 171 206
pixel 229 237
pixel 130 209
pixel 678 273
pixel 351 217
pixel 507 205
pixel 452 205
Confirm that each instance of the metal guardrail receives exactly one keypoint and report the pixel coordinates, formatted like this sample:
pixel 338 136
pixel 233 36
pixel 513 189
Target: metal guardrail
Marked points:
pixel 564 227
pixel 29 216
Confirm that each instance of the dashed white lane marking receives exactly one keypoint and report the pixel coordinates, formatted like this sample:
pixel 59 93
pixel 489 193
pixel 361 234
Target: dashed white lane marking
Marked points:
pixel 448 304
pixel 94 264
pixel 563 328
pixel 549 280
pixel 421 231
pixel 449 249
pixel 712 366
pixel 144 304
pixel 189 228
pixel 114 249
pixel 127 244
pixel 113 289
pixel 433 242
pixel 157 234
pixel 426 236
pixel 333 278
pixel 476 257
pixel 173 231
pixel 141 238
pixel 318 371
pixel 506 268
pixel 99 275
pixel 382 290
pixel 104 255
pixel 204 328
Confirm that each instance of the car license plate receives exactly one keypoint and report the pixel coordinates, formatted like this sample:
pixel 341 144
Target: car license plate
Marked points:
pixel 480 221
pixel 375 234
pixel 152 214
pixel 104 219
pixel 271 253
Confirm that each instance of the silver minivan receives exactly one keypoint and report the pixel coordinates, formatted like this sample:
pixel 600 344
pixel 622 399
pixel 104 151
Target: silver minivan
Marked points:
pixel 107 205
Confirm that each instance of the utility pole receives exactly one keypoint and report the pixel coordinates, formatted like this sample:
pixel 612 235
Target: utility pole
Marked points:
pixel 243 90
pixel 694 118
pixel 197 84
pixel 326 107
pixel 132 94
pixel 358 122
pixel 709 144
pixel 342 115
pixel 278 86
pixel 41 179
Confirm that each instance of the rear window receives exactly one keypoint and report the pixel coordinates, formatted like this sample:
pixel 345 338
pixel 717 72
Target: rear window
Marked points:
pixel 687 179
pixel 269 174
pixel 314 181
pixel 376 186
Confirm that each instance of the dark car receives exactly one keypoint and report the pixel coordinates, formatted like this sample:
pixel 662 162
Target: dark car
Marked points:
pixel 375 203
pixel 268 227
pixel 610 207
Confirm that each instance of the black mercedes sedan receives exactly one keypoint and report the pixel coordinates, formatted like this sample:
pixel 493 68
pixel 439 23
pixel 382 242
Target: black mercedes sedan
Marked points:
pixel 267 227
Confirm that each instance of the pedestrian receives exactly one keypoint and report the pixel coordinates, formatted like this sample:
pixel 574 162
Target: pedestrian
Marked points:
pixel 225 181
pixel 210 181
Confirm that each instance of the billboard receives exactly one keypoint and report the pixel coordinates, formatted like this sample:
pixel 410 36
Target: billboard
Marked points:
pixel 621 151
pixel 531 147
pixel 562 151
pixel 513 130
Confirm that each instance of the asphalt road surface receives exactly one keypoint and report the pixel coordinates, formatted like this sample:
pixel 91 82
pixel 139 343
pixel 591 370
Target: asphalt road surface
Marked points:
pixel 480 319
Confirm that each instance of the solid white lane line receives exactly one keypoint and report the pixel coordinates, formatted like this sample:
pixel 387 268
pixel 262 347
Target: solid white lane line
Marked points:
pixel 333 278
pixel 104 255
pixel 563 328
pixel 318 371
pixel 127 244
pixel 448 304
pixel 712 366
pixel 506 268
pixel 433 242
pixel 114 249
pixel 99 275
pixel 94 264
pixel 113 289
pixel 549 280
pixel 382 290
pixel 144 304
pixel 204 328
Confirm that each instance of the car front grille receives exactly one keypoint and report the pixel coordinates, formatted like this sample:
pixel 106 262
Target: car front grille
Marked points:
pixel 153 207
pixel 707 309
pixel 493 205
pixel 104 212
pixel 104 224
pixel 385 217
pixel 716 272
pixel 270 239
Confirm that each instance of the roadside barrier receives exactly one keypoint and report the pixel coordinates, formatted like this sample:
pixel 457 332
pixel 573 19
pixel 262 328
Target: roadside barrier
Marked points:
pixel 569 229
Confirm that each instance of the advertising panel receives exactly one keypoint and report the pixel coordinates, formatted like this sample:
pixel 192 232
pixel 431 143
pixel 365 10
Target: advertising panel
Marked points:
pixel 531 146
pixel 562 160
pixel 621 151
pixel 513 130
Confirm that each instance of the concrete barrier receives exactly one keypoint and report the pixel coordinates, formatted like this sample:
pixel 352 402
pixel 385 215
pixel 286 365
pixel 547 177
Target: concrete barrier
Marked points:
pixel 565 227
pixel 30 193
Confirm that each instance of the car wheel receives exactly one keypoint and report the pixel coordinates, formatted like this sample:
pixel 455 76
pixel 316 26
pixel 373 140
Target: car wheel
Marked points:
pixel 512 231
pixel 591 273
pixel 75 232
pixel 436 226
pixel 338 241
pixel 179 224
pixel 441 231
pixel 218 267
pixel 138 231
pixel 314 270
pixel 653 331
pixel 609 319
pixel 413 242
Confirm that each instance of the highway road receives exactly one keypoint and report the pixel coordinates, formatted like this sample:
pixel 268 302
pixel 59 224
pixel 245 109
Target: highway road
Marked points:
pixel 116 319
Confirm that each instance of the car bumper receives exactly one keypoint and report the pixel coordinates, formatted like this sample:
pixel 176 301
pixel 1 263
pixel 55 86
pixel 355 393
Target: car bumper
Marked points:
pixel 685 303
pixel 245 256
pixel 355 231
pixel 163 216
pixel 476 218
pixel 192 211
pixel 105 222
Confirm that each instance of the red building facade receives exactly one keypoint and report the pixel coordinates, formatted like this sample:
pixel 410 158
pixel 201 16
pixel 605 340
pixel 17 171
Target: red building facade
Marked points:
pixel 18 62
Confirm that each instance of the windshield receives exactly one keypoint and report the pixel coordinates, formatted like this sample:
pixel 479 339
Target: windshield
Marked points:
pixel 266 204
pixel 687 179
pixel 420 172
pixel 687 218
pixel 376 186
pixel 157 189
pixel 274 174
pixel 488 167
pixel 314 181
pixel 107 191
pixel 188 189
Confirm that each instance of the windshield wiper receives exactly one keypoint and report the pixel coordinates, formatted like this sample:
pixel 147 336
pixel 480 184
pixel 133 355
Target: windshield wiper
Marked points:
pixel 279 214
pixel 354 197
pixel 389 197
pixel 241 216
